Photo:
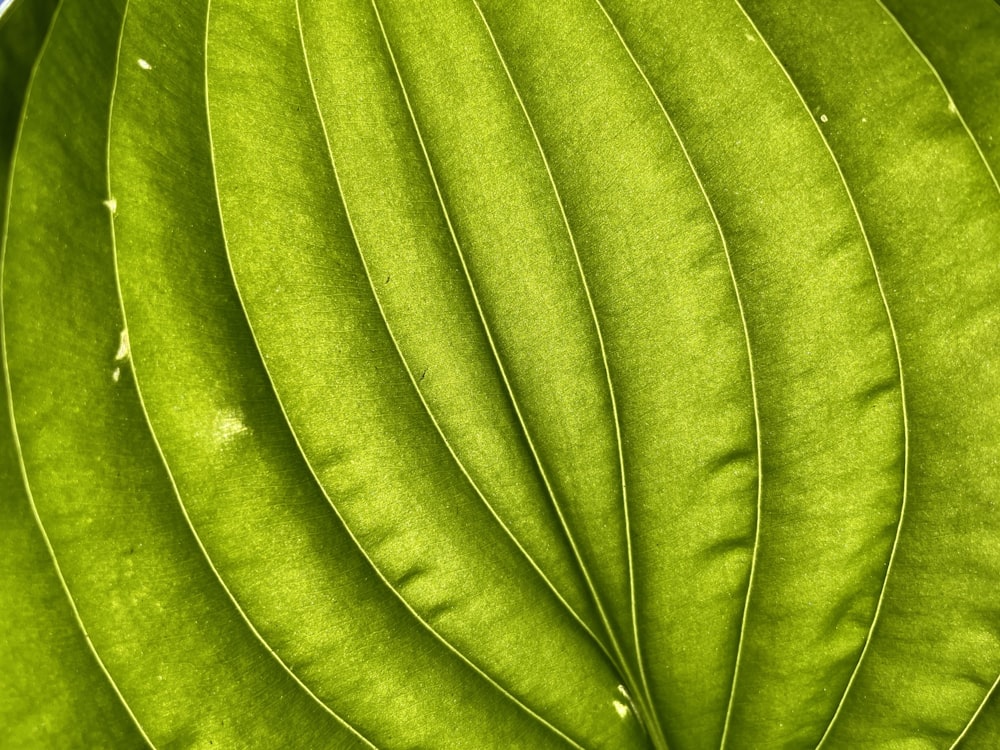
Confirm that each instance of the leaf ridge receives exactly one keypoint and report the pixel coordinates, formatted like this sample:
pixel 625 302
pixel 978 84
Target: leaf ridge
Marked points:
pixel 350 532
pixel 952 105
pixel 899 368
pixel 642 695
pixel 489 335
pixel 406 366
pixel 10 399
pixel 743 321
pixel 980 708
pixel 163 459
pixel 55 561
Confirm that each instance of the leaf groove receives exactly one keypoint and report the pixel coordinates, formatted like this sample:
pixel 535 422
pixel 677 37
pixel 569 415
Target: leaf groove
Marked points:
pixel 743 321
pixel 899 368
pixel 315 478
pixel 951 102
pixel 71 600
pixel 409 371
pixel 579 558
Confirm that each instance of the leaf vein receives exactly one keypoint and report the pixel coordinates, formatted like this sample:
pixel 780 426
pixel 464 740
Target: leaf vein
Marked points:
pixel 472 289
pixel 77 618
pixel 746 336
pixel 166 466
pixel 899 369
pixel 642 695
pixel 409 371
pixel 952 104
pixel 350 532
pixel 976 714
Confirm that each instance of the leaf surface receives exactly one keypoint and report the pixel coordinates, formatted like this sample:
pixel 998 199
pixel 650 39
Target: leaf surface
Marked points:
pixel 54 693
pixel 493 374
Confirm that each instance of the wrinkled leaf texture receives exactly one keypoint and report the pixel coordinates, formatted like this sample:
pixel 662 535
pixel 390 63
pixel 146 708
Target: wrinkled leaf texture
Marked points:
pixel 501 374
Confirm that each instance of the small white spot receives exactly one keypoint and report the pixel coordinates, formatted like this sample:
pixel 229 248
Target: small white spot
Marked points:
pixel 111 204
pixel 951 107
pixel 116 374
pixel 823 118
pixel 144 65
pixel 228 425
pixel 751 38
pixel 624 692
pixel 864 119
pixel 123 347
pixel 620 708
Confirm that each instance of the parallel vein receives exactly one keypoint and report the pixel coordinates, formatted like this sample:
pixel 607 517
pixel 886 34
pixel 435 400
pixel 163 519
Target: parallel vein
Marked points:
pixel 489 335
pixel 899 369
pixel 163 459
pixel 746 338
pixel 315 478
pixel 10 399
pixel 976 714
pixel 406 365
pixel 952 105
pixel 642 695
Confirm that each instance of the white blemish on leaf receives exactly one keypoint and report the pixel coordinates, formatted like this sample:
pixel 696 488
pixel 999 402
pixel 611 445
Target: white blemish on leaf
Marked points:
pixel 951 106
pixel 111 204
pixel 620 708
pixel 123 347
pixel 116 374
pixel 228 425
pixel 751 38
pixel 823 118
pixel 144 65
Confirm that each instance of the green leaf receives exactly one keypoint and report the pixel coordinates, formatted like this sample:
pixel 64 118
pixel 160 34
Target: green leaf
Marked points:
pixel 477 374
pixel 53 692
